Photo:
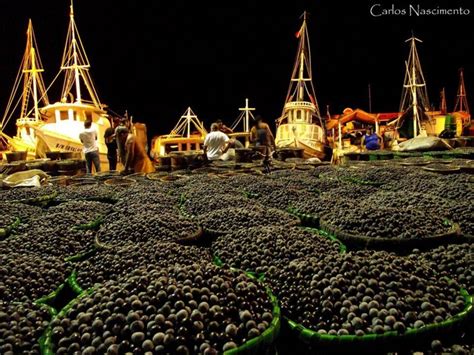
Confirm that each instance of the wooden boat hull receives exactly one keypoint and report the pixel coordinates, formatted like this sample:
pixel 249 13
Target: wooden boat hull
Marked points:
pixel 163 145
pixel 17 145
pixel 310 151
pixel 54 141
pixel 302 135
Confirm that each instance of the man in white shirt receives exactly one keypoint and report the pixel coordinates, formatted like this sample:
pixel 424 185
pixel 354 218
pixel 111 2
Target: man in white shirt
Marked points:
pixel 88 138
pixel 216 143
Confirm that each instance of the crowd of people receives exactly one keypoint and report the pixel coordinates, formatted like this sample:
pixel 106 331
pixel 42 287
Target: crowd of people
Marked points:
pixel 126 144
pixel 217 144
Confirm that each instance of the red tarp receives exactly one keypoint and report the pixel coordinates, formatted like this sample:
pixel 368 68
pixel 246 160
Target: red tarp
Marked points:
pixel 361 116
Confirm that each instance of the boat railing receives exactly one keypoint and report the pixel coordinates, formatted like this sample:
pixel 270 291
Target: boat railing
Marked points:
pixel 26 120
pixel 299 104
pixel 239 134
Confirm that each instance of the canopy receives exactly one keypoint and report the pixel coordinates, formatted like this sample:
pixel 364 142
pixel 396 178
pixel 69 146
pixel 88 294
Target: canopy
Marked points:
pixel 361 116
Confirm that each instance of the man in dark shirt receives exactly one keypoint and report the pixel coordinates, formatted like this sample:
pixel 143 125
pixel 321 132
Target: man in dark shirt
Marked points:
pixel 111 143
pixel 262 137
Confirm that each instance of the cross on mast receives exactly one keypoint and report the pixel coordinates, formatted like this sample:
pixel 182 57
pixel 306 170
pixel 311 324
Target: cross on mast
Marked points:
pixel 247 112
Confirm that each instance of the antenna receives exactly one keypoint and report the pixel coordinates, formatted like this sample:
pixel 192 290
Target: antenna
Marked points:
pixel 461 100
pixel 370 98
pixel 304 15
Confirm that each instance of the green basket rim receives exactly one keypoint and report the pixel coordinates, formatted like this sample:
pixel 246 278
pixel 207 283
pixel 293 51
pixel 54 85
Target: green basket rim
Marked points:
pixel 45 340
pixel 311 335
pixel 39 200
pixel 70 281
pixel 454 231
pixel 216 260
pixel 92 225
pixel 268 336
pixel 342 246
pixel 271 333
pixel 82 255
pixel 307 220
pixel 6 231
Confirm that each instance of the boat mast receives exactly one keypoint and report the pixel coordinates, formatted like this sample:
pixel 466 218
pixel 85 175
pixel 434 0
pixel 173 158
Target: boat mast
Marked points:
pixel 247 110
pixel 443 107
pixel 301 87
pixel 414 86
pixel 188 120
pixel 74 54
pixel 76 64
pixel 33 85
pixel 34 73
pixel 414 103
pixel 461 100
pixel 370 98
pixel 30 68
pixel 183 127
pixel 301 79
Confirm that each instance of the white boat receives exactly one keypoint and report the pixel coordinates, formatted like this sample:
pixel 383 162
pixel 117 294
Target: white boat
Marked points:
pixel 300 124
pixel 56 127
pixel 64 120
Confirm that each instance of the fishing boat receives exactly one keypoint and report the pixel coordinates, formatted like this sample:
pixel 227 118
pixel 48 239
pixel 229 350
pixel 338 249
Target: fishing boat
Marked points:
pixel 56 126
pixel 28 92
pixel 300 124
pixel 416 117
pixel 186 136
pixel 63 120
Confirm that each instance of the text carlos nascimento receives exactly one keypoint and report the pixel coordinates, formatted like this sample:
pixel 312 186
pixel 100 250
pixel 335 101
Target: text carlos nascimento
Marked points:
pixel 377 10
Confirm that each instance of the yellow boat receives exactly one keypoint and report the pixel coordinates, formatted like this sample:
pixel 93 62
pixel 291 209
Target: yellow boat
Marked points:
pixel 187 136
pixel 56 127
pixel 300 124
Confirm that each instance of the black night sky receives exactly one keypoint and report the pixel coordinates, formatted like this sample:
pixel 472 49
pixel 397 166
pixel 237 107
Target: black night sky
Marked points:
pixel 155 58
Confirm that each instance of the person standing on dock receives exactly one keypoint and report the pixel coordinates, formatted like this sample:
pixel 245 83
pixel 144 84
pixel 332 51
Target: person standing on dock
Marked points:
pixel 88 138
pixel 111 143
pixel 262 136
pixel 121 131
pixel 137 160
pixel 216 144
